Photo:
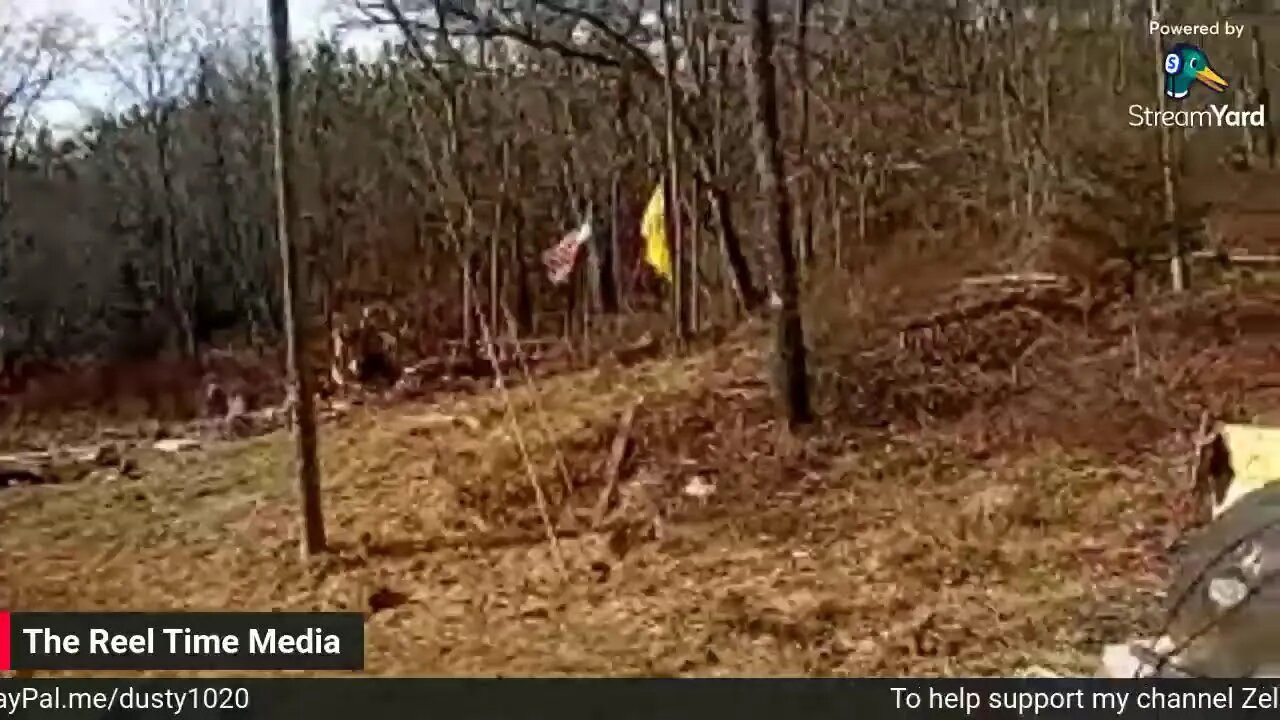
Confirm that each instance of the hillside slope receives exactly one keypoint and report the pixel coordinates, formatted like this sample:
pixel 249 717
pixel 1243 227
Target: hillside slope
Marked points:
pixel 938 521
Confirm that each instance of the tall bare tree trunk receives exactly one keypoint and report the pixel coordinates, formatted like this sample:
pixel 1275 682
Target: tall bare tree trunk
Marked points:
pixel 1242 101
pixel 671 184
pixel 329 220
pixel 1259 50
pixel 230 225
pixel 179 256
pixel 802 101
pixel 789 352
pixel 295 313
pixel 1177 261
pixel 467 289
pixel 622 105
pixel 749 296
pixel 696 37
pixel 495 249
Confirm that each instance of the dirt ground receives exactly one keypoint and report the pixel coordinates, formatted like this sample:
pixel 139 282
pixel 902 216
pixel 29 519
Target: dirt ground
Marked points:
pixel 980 496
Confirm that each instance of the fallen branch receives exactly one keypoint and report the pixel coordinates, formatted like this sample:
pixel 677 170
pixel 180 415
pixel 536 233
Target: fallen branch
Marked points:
pixel 1039 671
pixel 47 468
pixel 1030 278
pixel 1236 258
pixel 613 470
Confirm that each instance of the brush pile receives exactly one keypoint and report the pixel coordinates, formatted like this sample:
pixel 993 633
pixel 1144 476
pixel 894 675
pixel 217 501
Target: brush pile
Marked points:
pixel 1016 359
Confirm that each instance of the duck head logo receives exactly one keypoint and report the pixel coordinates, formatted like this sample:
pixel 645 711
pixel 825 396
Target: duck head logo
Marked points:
pixel 1184 65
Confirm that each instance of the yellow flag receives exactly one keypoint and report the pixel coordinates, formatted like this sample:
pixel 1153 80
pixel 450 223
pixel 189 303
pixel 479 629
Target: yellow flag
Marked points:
pixel 654 230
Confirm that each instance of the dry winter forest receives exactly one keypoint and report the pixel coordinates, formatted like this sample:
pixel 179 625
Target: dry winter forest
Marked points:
pixel 917 397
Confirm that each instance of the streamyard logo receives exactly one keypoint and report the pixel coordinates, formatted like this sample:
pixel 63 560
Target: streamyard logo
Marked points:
pixel 1187 66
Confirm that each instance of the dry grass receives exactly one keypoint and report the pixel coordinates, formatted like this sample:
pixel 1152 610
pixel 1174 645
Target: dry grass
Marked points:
pixel 903 549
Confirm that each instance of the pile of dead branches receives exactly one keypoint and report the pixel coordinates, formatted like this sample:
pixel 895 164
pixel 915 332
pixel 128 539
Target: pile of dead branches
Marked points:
pixel 972 353
pixel 1024 358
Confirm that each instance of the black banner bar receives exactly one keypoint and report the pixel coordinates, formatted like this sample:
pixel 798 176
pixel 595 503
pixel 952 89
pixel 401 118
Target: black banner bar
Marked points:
pixel 638 699
pixel 186 641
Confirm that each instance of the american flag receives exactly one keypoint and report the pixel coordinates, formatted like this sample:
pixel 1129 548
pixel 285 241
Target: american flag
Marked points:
pixel 561 258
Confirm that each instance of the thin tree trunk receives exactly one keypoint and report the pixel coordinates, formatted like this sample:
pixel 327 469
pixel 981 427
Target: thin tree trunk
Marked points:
pixel 603 252
pixel 1177 262
pixel 1264 92
pixel 695 266
pixel 495 250
pixel 1006 142
pixel 698 36
pixel 330 217
pixel 802 90
pixel 671 184
pixel 1243 98
pixel 615 238
pixel 524 318
pixel 748 295
pixel 616 270
pixel 468 290
pixel 295 312
pixel 177 265
pixel 791 371
pixel 717 149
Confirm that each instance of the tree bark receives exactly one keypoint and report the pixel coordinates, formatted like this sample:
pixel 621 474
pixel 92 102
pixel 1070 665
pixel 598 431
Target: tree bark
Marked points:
pixel 178 254
pixel 671 183
pixel 802 101
pixel 524 316
pixel 1259 50
pixel 1177 259
pixel 789 351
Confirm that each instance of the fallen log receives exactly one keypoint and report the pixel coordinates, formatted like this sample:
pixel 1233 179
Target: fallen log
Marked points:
pixel 1236 258
pixel 1029 278
pixel 19 471
pixel 62 465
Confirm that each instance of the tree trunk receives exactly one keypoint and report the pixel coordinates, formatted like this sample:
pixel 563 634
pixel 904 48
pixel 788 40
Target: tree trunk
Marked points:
pixel 671 183
pixel 495 276
pixel 230 226
pixel 611 275
pixel 749 296
pixel 802 101
pixel 295 318
pixel 1177 260
pixel 467 288
pixel 791 371
pixel 176 268
pixel 524 294
pixel 1264 92
pixel 616 270
pixel 1242 100
pixel 329 218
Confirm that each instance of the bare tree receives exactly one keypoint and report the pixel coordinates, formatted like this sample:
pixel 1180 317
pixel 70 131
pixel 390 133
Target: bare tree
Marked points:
pixel 792 374
pixel 34 54
pixel 156 65
pixel 468 140
pixel 300 378
pixel 545 29
pixel 1165 150
pixel 671 181
pixel 1262 96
